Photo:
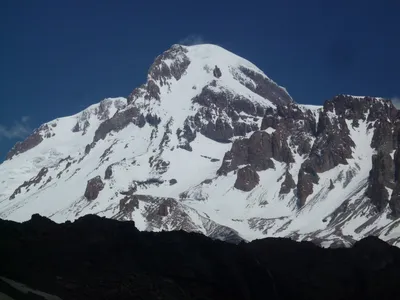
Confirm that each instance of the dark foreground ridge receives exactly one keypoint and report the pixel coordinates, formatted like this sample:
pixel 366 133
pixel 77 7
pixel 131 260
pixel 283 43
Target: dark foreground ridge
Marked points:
pixel 98 258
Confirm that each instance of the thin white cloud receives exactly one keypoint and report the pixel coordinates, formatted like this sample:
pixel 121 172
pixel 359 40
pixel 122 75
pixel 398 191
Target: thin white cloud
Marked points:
pixel 396 102
pixel 191 40
pixel 20 129
pixel 25 119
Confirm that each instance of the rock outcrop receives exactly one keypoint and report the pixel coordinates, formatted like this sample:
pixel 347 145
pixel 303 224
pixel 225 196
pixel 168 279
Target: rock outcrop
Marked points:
pixel 265 87
pixel 118 122
pixel 30 142
pixel 287 184
pixel 381 176
pixel 306 179
pixel 161 73
pixel 247 179
pixel 93 188
pixel 394 202
pixel 108 173
pixel 126 207
pixel 33 181
pixel 256 151
pixel 217 72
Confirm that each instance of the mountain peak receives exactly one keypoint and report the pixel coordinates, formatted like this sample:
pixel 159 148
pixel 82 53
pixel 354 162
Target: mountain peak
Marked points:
pixel 210 144
pixel 197 64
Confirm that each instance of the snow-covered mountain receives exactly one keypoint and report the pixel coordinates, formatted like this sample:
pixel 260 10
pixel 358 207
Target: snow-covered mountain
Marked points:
pixel 211 144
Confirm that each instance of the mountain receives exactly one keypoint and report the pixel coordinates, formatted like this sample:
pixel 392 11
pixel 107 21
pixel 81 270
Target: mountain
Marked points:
pixel 99 258
pixel 210 144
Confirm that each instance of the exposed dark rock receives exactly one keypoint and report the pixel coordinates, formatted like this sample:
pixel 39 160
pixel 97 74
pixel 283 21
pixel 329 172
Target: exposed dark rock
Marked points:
pixel 165 207
pixel 161 72
pixel 383 139
pixel 380 176
pixel 136 94
pixel 209 96
pixel 76 128
pixel 221 131
pixel 331 185
pixel 153 91
pixel 64 159
pixel 160 208
pixel 238 155
pixel 149 181
pixel 141 121
pixel 225 100
pixel 357 108
pixel 166 136
pixel 33 181
pixel 381 109
pixel 93 188
pixel 186 147
pixel 256 151
pixel 241 128
pixel 153 120
pixel 109 259
pixel 186 136
pixel 333 145
pixel 210 158
pixel 88 148
pixel 293 124
pixel 126 207
pixel 103 111
pixel 288 184
pixel 130 191
pixel 307 176
pixel 173 181
pixel 30 142
pixel 394 202
pixel 159 165
pixel 109 172
pixel 218 101
pixel 263 146
pixel 107 152
pixel 347 106
pixel 49 179
pixel 79 127
pixel 265 87
pixel 217 72
pixel 397 165
pixel 243 105
pixel 206 181
pixel 118 122
pixel 269 121
pixel 247 179
pixel 64 170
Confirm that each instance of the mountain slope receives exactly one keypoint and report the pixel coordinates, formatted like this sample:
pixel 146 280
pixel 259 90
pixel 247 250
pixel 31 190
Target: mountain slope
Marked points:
pixel 211 144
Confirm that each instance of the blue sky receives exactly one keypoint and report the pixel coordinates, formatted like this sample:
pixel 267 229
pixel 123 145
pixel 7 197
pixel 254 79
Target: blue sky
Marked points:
pixel 58 57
